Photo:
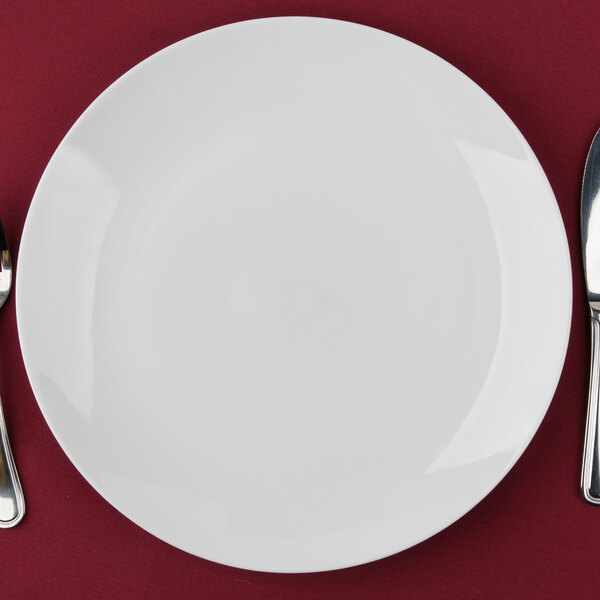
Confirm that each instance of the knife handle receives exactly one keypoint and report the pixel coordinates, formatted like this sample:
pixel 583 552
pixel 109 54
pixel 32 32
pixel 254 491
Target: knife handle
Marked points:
pixel 12 502
pixel 590 473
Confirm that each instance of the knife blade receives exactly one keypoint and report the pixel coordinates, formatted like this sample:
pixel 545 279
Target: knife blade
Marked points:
pixel 590 239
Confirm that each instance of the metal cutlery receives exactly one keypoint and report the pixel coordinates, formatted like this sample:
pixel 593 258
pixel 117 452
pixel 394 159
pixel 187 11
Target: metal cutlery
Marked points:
pixel 12 502
pixel 590 238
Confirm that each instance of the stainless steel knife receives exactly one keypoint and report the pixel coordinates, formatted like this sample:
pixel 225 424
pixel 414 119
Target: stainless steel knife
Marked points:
pixel 590 238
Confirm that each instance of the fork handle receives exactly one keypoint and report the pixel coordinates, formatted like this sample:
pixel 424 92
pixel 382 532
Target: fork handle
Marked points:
pixel 12 502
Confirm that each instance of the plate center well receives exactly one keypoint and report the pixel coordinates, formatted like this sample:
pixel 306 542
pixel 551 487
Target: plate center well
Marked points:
pixel 311 306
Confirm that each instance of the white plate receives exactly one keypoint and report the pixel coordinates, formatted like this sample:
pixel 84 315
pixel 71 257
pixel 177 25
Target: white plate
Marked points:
pixel 293 294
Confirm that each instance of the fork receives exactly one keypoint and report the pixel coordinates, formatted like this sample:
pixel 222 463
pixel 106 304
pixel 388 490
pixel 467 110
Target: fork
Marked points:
pixel 12 502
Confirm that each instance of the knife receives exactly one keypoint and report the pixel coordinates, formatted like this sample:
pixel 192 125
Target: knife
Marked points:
pixel 590 239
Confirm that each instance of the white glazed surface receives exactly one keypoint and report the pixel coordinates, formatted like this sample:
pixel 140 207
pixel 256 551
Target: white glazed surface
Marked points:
pixel 293 294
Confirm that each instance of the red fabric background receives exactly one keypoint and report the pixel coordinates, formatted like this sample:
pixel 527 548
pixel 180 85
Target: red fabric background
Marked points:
pixel 532 537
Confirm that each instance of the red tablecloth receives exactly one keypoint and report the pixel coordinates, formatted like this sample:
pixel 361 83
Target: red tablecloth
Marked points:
pixel 532 537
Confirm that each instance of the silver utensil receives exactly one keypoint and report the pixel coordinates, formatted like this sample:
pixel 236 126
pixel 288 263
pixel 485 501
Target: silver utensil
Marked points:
pixel 12 502
pixel 590 239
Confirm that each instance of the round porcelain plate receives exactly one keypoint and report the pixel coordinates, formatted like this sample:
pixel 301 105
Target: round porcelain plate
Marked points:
pixel 293 294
